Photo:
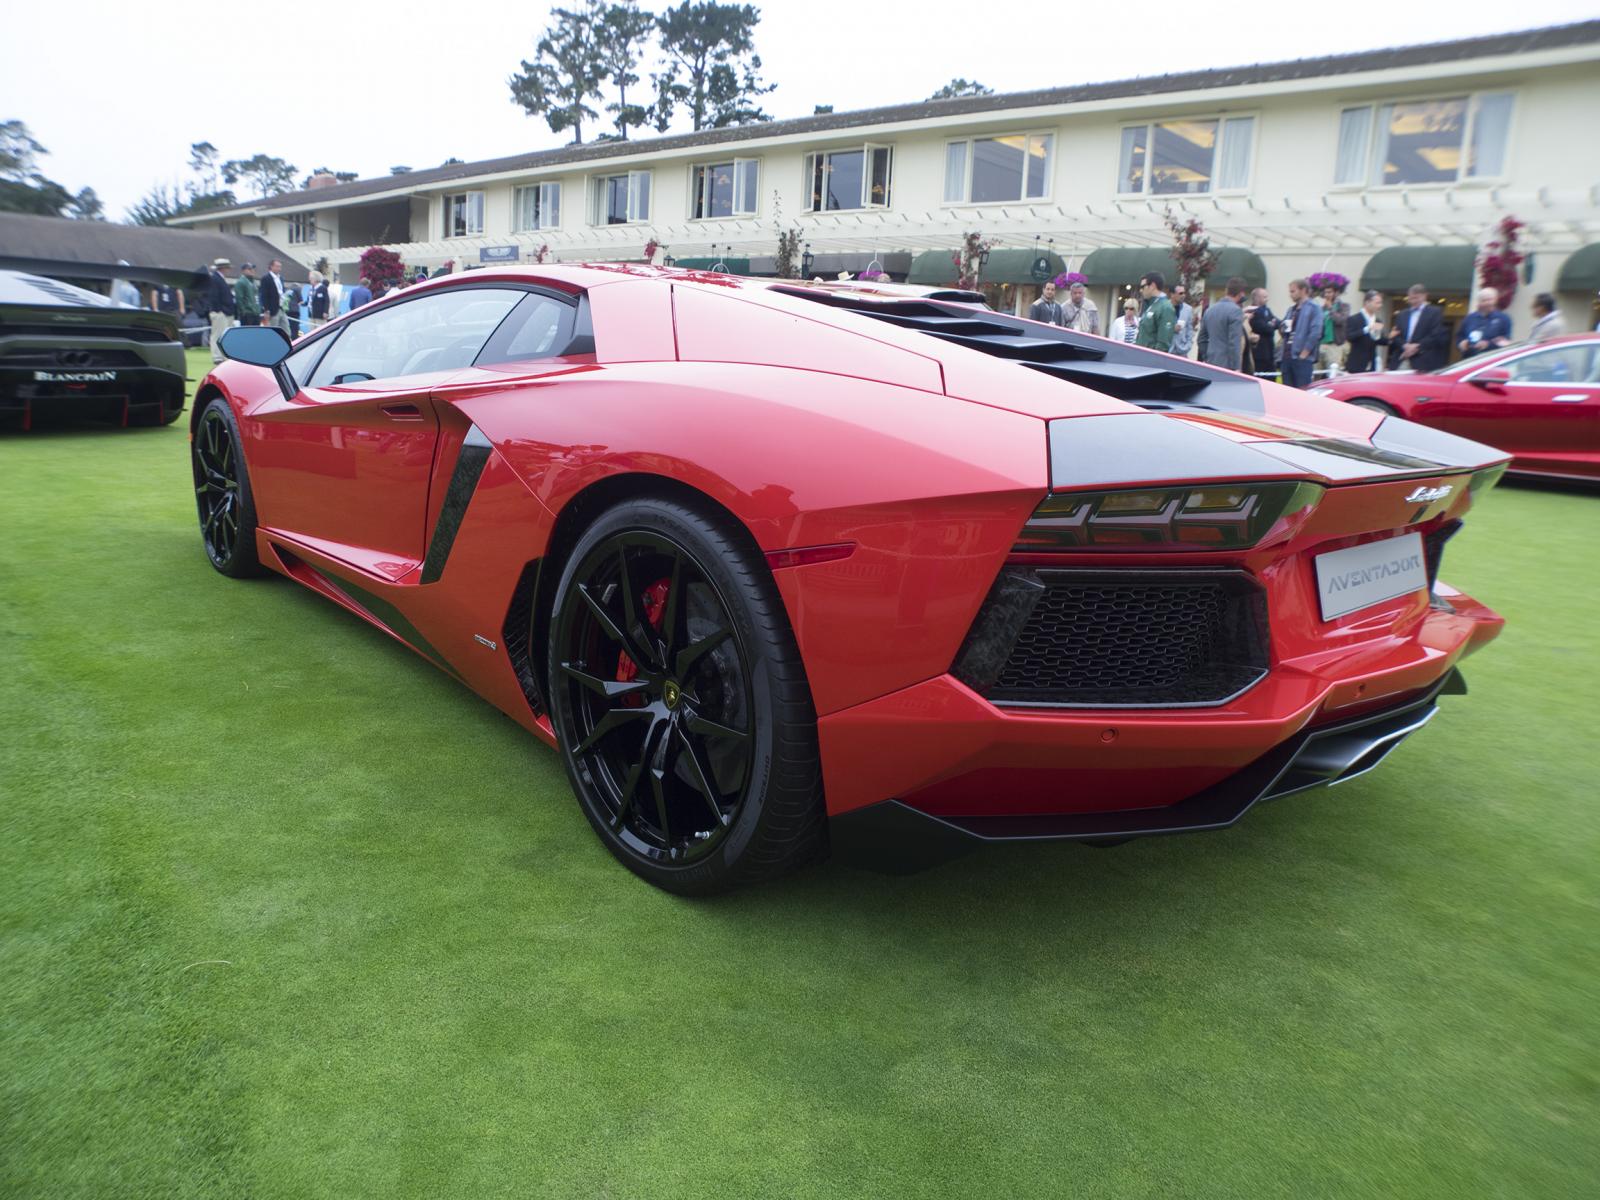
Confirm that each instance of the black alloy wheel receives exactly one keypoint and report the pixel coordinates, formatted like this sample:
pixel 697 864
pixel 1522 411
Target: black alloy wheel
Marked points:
pixel 679 701
pixel 222 493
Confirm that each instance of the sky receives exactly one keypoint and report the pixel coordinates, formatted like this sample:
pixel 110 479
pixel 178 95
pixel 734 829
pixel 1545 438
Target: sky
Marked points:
pixel 117 92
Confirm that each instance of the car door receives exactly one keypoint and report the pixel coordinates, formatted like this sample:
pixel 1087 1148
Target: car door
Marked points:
pixel 346 461
pixel 1545 409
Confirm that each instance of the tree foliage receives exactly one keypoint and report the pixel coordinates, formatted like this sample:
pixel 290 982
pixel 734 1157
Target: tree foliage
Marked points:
pixel 266 175
pixel 341 176
pixel 24 189
pixel 382 265
pixel 621 33
pixel 961 87
pixel 712 69
pixel 1192 255
pixel 565 73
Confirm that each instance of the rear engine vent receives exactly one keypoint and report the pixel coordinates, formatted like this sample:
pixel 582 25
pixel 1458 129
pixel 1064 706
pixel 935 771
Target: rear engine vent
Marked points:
pixel 1116 639
pixel 1132 373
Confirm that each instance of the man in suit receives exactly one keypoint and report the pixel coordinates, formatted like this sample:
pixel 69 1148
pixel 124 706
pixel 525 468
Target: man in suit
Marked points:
pixel 1304 322
pixel 272 312
pixel 1222 328
pixel 1261 330
pixel 319 300
pixel 1045 308
pixel 1366 333
pixel 1420 333
pixel 219 306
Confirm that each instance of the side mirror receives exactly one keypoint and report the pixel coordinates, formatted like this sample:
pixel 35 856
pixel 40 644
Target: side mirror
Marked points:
pixel 261 346
pixel 1494 379
pixel 258 345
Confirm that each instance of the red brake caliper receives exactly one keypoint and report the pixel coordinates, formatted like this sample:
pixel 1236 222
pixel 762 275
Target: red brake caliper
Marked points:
pixel 655 601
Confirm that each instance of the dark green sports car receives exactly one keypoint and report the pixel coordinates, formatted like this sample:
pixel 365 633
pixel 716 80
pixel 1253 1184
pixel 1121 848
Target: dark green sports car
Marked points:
pixel 70 353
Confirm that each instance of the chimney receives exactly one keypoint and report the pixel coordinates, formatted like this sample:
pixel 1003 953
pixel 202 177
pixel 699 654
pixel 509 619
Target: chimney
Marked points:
pixel 322 179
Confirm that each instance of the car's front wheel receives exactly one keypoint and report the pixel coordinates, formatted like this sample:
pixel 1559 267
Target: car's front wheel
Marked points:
pixel 680 702
pixel 222 493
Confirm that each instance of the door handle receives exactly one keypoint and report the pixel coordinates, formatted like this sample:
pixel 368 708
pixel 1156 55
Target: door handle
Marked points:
pixel 1571 398
pixel 401 412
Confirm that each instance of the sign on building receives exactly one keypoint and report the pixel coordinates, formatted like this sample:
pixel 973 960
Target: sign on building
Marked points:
pixel 498 254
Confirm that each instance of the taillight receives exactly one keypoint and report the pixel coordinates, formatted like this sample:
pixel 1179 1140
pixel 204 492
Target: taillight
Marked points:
pixel 1210 516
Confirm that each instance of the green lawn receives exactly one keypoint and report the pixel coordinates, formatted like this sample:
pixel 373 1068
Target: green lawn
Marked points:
pixel 285 912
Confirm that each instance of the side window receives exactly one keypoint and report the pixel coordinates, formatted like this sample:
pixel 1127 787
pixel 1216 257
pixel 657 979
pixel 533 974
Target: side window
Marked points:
pixel 1561 364
pixel 304 360
pixel 431 333
pixel 541 327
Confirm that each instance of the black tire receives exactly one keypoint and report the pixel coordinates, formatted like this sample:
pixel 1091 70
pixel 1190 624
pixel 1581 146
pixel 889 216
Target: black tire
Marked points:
pixel 1377 406
pixel 701 771
pixel 222 493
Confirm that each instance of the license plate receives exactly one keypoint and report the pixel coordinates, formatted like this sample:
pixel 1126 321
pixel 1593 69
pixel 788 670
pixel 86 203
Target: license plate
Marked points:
pixel 1365 575
pixel 74 376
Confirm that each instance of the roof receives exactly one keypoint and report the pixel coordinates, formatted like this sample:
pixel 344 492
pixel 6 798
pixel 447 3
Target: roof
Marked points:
pixel 153 254
pixel 1462 50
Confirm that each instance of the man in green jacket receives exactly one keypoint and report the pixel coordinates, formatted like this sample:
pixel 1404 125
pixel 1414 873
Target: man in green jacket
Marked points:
pixel 247 296
pixel 1159 320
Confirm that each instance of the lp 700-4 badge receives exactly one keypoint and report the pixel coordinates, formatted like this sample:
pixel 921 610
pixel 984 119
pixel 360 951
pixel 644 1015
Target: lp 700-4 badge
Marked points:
pixel 1427 495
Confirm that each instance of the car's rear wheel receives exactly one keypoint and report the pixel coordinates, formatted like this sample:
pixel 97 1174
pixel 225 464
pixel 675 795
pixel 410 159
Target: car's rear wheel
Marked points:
pixel 1377 406
pixel 222 493
pixel 680 701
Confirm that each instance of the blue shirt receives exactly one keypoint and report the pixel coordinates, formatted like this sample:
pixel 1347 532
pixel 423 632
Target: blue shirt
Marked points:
pixel 1479 331
pixel 359 296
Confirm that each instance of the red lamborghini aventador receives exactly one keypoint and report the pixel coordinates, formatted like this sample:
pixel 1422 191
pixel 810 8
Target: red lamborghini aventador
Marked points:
pixel 780 567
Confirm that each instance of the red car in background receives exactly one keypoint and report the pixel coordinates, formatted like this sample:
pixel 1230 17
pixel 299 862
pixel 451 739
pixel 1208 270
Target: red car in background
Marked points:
pixel 1540 401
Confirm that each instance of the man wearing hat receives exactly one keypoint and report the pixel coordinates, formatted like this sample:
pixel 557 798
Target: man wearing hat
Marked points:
pixel 246 297
pixel 219 305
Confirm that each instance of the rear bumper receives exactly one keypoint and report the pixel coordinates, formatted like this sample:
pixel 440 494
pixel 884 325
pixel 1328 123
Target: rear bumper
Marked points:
pixel 894 836
pixel 107 393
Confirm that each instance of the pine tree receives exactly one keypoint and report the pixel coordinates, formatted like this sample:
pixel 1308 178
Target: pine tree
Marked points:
pixel 565 73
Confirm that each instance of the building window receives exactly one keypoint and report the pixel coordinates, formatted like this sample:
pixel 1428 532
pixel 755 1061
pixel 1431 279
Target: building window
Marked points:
pixel 1185 157
pixel 618 199
pixel 994 170
pixel 845 179
pixel 230 227
pixel 463 214
pixel 725 189
pixel 1424 141
pixel 537 206
pixel 302 228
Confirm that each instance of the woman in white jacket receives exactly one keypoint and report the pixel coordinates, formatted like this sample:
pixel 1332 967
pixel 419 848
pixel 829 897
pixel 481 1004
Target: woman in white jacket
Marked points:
pixel 1126 327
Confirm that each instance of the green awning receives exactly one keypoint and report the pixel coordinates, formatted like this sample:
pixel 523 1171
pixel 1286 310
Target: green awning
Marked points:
pixel 1437 268
pixel 938 267
pixel 733 266
pixel 933 267
pixel 1246 264
pixel 1581 271
pixel 1118 265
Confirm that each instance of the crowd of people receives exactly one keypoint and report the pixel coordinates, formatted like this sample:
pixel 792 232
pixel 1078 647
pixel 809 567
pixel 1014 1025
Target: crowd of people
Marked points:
pixel 1318 334
pixel 293 308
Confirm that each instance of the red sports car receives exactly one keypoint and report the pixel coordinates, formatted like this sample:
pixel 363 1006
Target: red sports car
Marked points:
pixel 780 567
pixel 1539 401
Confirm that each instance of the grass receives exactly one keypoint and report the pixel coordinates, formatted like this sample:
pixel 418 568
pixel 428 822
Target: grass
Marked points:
pixel 286 912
